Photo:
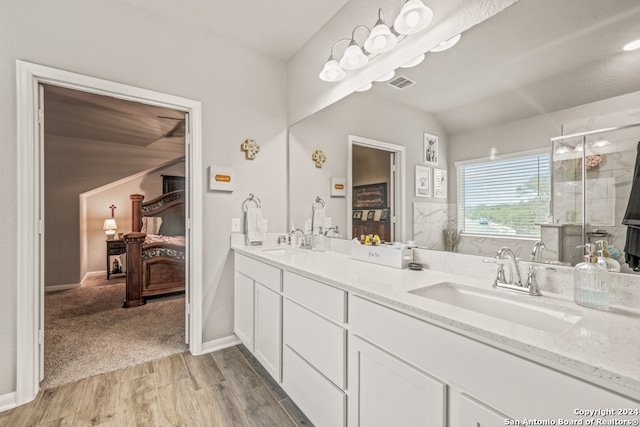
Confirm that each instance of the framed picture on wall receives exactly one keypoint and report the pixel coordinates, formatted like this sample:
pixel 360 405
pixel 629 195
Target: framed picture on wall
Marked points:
pixel 440 183
pixel 357 215
pixel 430 151
pixel 423 181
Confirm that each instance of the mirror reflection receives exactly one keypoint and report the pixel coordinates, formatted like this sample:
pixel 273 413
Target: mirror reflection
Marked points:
pixel 537 70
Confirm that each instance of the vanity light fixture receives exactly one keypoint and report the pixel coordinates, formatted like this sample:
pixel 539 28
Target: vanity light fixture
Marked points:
pixel 365 87
pixel 563 149
pixel 447 44
pixel 632 45
pixel 414 17
pixel 332 71
pixel 386 76
pixel 415 61
pixel 579 147
pixel 354 56
pixel 381 39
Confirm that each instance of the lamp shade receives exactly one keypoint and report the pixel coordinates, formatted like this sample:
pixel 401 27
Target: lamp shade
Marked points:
pixel 414 17
pixel 381 39
pixel 109 224
pixel 353 57
pixel 332 72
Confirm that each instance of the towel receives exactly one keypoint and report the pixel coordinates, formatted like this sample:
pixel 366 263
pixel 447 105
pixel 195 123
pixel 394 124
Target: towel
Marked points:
pixel 255 226
pixel 632 219
pixel 319 217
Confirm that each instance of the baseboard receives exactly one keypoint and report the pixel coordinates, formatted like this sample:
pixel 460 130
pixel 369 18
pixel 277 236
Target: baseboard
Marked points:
pixel 7 401
pixel 54 288
pixel 219 344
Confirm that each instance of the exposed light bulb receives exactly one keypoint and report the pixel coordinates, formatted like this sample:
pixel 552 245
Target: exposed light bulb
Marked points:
pixel 412 19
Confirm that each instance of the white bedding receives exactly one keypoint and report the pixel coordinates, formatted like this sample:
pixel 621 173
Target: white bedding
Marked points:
pixel 172 240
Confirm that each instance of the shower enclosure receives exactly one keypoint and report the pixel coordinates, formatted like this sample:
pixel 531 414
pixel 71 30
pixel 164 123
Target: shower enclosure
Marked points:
pixel 591 185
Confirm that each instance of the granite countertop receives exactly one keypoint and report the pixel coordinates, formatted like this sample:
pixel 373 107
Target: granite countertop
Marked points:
pixel 602 347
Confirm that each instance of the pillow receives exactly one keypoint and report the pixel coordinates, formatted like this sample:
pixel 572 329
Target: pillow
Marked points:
pixel 151 224
pixel 173 226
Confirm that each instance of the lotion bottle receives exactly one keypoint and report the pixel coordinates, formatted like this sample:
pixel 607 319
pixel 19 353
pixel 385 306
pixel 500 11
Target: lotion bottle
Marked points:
pixel 591 281
pixel 612 265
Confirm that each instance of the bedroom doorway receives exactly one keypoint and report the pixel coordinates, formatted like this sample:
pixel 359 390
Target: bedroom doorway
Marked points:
pixel 31 238
pixel 376 173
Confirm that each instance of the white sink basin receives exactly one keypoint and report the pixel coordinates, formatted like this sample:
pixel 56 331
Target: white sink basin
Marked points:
pixel 285 251
pixel 557 319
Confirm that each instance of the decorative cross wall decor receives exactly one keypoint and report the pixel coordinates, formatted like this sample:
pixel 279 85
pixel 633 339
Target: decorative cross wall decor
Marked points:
pixel 319 158
pixel 250 148
pixel 113 209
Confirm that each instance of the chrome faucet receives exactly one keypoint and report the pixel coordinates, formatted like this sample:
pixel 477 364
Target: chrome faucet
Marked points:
pixel 305 243
pixel 538 247
pixel 514 270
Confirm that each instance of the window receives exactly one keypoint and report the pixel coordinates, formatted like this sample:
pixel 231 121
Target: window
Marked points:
pixel 504 197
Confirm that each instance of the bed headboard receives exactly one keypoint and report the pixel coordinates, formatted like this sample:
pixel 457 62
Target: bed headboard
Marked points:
pixel 169 206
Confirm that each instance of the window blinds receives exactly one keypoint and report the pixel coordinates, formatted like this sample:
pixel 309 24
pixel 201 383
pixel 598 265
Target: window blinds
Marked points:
pixel 505 197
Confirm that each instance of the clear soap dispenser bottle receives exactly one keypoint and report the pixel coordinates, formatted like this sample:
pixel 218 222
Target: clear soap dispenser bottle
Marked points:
pixel 612 265
pixel 591 281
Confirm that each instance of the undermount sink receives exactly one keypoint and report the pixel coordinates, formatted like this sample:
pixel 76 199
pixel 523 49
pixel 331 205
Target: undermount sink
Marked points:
pixel 285 251
pixel 490 303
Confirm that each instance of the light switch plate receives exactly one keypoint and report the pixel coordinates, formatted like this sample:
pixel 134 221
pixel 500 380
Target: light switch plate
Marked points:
pixel 235 225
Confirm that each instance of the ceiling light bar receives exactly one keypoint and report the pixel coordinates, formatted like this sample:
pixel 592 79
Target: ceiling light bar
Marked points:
pixel 414 17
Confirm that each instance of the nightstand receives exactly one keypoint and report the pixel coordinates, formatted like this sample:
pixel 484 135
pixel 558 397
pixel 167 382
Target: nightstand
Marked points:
pixel 114 247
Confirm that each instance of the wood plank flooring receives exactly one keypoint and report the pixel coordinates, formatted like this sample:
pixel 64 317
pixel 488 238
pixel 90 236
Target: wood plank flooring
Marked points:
pixel 225 388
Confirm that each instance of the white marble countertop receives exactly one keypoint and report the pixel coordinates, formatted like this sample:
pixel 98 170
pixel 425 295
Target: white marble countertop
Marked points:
pixel 603 347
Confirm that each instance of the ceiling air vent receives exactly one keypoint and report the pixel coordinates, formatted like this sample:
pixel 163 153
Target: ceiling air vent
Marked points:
pixel 401 82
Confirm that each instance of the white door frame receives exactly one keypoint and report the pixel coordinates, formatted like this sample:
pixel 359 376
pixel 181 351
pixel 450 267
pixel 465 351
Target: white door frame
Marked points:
pixel 398 190
pixel 30 205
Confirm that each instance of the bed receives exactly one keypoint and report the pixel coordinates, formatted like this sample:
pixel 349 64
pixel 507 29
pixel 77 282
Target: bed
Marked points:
pixel 155 258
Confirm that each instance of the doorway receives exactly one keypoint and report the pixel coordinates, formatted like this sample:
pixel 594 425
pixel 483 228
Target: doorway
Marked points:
pixel 375 189
pixel 30 250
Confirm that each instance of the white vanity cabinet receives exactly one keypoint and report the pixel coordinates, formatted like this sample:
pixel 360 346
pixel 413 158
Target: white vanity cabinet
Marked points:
pixel 258 311
pixel 314 351
pixel 385 391
pixel 484 385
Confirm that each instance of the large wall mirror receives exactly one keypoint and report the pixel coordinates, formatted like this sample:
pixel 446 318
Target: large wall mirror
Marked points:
pixel 537 70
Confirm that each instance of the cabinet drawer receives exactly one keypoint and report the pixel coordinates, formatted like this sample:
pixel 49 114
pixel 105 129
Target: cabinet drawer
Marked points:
pixel 262 273
pixel 322 298
pixel 322 402
pixel 482 371
pixel 317 340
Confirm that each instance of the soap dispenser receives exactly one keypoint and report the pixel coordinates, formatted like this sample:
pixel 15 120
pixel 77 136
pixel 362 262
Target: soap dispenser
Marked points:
pixel 611 264
pixel 591 281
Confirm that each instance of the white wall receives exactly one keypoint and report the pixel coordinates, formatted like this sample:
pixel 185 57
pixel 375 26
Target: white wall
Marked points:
pixel 243 95
pixel 363 115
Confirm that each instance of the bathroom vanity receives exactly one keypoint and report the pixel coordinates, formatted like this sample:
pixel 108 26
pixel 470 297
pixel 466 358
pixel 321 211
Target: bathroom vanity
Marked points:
pixel 358 344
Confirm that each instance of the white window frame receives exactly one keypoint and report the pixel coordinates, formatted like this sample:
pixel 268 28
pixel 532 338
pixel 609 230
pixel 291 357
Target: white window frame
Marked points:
pixel 517 155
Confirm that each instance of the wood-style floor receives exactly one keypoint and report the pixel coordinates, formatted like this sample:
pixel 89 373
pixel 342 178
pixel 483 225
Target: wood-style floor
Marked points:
pixel 225 388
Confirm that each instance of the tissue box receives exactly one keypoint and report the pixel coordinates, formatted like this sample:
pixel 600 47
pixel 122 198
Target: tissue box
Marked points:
pixel 391 256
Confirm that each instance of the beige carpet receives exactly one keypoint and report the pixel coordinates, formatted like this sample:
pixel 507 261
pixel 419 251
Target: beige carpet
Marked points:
pixel 87 332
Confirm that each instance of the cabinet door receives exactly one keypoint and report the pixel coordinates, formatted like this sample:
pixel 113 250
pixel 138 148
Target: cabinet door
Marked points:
pixel 243 310
pixel 384 391
pixel 474 414
pixel 268 336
